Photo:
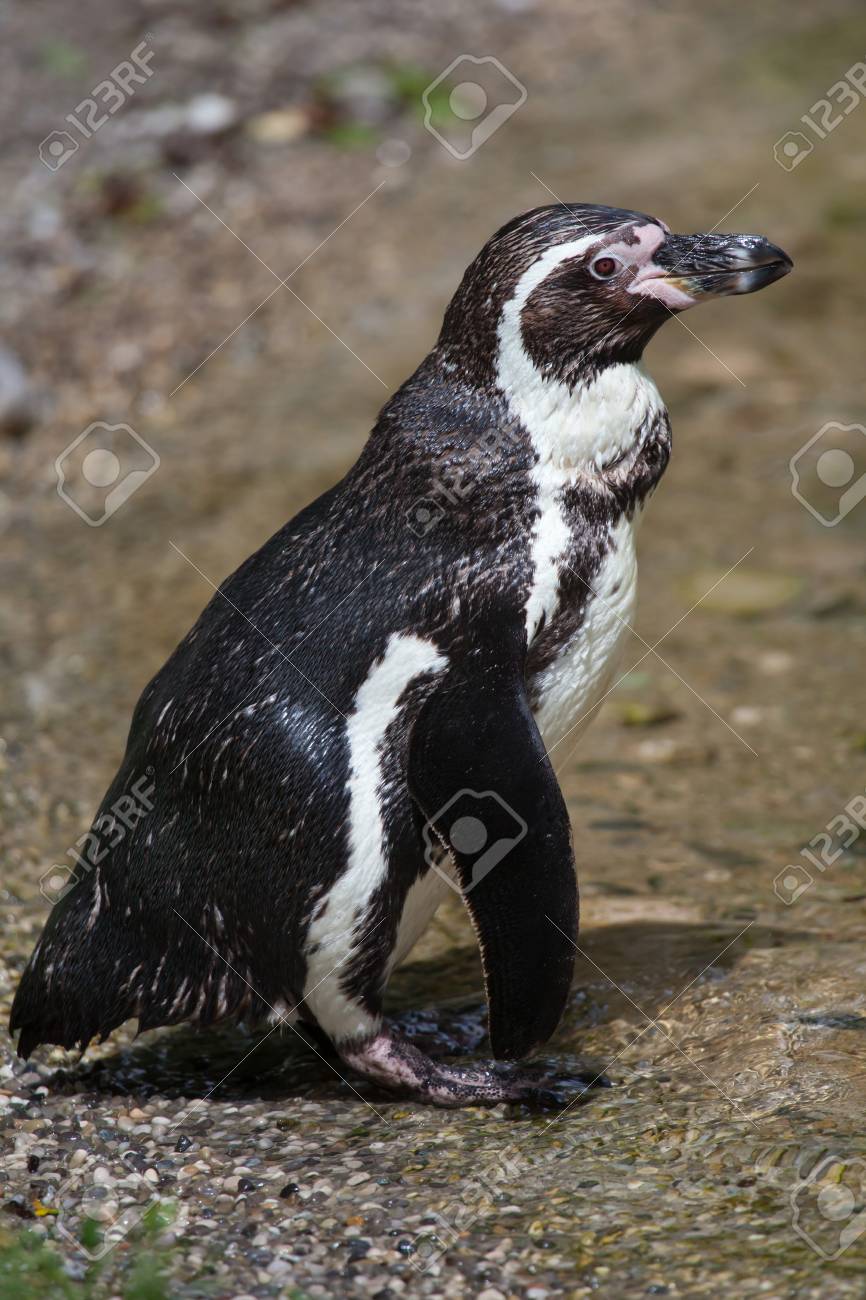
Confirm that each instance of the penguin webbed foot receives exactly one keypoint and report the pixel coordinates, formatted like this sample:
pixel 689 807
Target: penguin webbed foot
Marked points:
pixel 395 1063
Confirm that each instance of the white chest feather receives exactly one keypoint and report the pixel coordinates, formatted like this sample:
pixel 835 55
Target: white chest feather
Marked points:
pixel 569 688
pixel 576 435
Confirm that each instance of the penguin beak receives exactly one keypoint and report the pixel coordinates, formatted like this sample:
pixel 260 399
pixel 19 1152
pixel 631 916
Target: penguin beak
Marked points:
pixel 707 266
pixel 687 269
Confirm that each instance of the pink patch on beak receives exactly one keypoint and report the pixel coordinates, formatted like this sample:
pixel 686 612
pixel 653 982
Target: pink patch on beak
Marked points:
pixel 639 254
pixel 649 280
pixel 652 282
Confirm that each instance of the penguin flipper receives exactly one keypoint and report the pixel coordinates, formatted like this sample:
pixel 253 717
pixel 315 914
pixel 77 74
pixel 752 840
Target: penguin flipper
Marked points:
pixel 479 771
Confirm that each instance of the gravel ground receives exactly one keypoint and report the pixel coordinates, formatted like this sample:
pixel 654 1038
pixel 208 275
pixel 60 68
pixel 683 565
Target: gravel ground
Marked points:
pixel 728 1014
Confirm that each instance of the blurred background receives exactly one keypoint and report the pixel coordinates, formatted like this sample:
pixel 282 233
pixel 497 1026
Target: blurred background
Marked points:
pixel 164 168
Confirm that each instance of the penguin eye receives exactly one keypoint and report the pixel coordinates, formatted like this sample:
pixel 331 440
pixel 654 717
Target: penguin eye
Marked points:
pixel 604 267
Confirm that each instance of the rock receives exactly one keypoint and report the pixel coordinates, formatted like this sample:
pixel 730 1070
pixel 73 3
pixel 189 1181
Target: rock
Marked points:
pixel 279 126
pixel 362 93
pixel 210 114
pixel 665 749
pixel 204 115
pixel 844 602
pixel 774 662
pixel 393 152
pixel 743 593
pixel 18 407
pixel 634 713
pixel 747 715
pixel 18 1208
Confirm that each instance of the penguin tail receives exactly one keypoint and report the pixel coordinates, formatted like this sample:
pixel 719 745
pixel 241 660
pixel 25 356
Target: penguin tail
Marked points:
pixel 93 969
pixel 73 988
pixel 49 1007
pixel 35 1028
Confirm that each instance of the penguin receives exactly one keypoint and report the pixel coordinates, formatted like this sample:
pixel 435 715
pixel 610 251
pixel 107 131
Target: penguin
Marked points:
pixel 361 719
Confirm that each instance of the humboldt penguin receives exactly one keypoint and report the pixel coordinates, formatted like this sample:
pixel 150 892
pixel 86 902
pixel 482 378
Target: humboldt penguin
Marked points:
pixel 361 719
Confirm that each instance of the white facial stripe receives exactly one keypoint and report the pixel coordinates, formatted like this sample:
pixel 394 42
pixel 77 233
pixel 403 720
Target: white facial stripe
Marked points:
pixel 540 270
pixel 331 939
pixel 572 432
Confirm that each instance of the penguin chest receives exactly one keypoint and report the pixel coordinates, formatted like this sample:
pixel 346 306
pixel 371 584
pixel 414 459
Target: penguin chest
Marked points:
pixel 569 688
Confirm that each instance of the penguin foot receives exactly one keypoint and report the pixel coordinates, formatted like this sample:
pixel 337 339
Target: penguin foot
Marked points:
pixel 396 1064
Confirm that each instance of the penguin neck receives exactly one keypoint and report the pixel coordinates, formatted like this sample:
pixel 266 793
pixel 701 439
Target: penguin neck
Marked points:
pixel 602 422
pixel 587 426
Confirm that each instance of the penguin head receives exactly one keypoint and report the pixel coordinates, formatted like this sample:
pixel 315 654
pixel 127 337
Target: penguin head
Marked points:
pixel 577 287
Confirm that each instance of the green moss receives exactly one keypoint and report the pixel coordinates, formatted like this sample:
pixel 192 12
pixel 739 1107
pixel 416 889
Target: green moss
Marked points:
pixel 32 1269
pixel 62 59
